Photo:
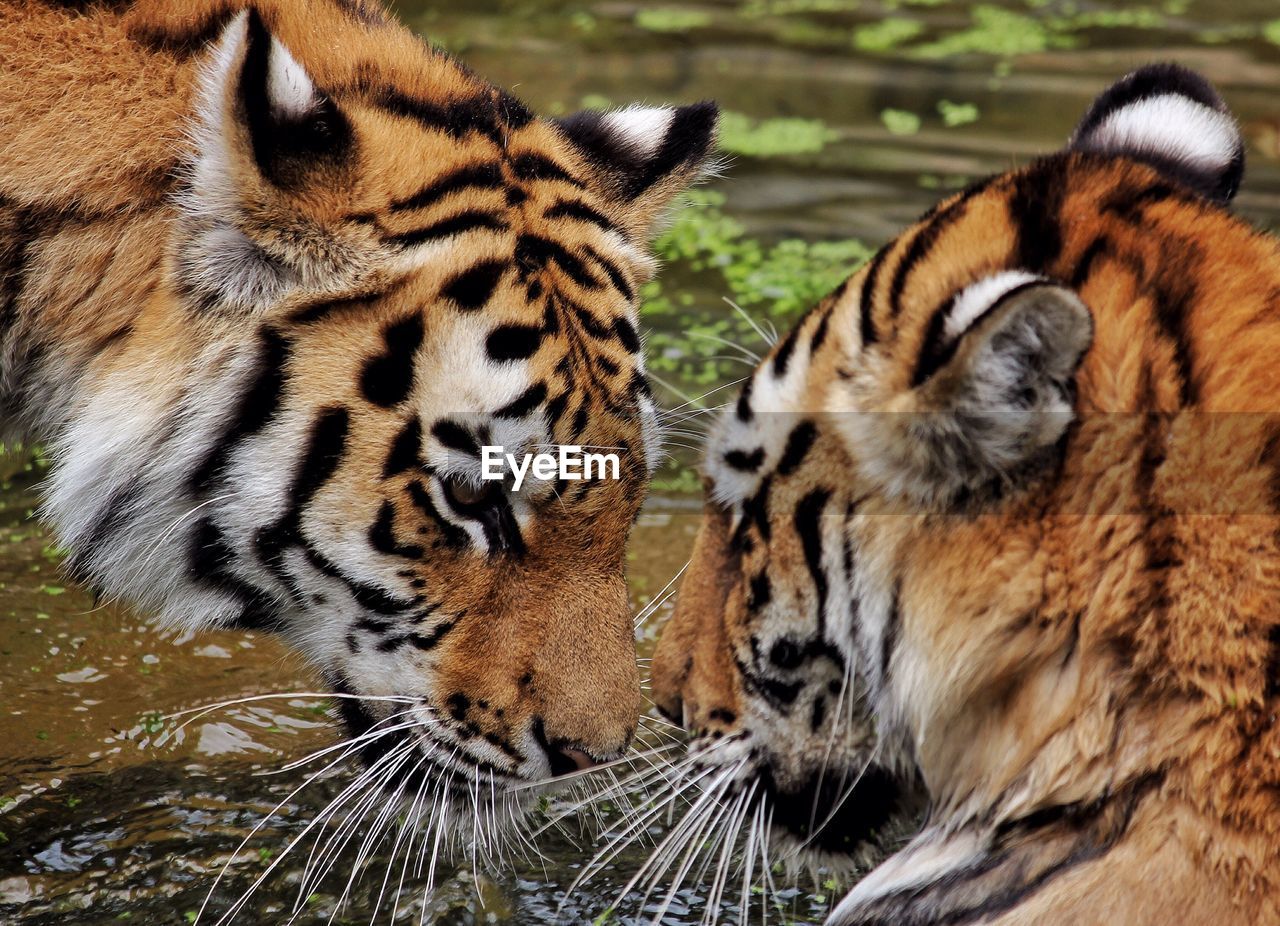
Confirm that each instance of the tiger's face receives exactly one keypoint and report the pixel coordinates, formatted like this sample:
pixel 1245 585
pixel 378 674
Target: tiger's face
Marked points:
pixel 382 267
pixel 893 593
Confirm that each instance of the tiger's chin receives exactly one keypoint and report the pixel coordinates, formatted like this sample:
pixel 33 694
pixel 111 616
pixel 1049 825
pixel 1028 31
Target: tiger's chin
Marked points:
pixel 842 821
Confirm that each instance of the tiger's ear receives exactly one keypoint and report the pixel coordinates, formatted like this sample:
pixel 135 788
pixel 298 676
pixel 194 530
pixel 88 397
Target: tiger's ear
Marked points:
pixel 263 110
pixel 1173 120
pixel 990 393
pixel 643 156
pixel 266 142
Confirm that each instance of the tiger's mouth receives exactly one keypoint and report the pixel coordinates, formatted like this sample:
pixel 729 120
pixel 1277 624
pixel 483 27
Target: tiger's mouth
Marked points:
pixel 417 749
pixel 404 757
pixel 841 812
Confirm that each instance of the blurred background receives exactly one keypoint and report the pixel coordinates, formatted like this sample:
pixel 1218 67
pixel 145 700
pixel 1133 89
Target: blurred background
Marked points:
pixel 844 119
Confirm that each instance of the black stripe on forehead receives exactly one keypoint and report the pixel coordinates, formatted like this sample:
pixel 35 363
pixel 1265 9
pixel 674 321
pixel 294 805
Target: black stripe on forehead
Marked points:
pixel 808 525
pixel 919 250
pixel 523 404
pixel 799 441
pixel 1035 207
pixel 613 272
pixel 484 113
pixel 474 176
pixel 579 211
pixel 469 220
pixel 534 252
pixel 530 166
pixel 513 342
pixel 388 377
pixel 866 302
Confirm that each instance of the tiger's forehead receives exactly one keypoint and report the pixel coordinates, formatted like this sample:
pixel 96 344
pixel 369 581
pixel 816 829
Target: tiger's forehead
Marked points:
pixel 780 406
pixel 488 344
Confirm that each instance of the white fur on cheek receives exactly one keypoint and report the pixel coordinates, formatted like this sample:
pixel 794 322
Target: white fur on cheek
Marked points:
pixel 641 128
pixel 1170 125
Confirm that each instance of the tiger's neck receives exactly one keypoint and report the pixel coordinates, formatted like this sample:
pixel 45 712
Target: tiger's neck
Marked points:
pixel 78 304
pixel 86 185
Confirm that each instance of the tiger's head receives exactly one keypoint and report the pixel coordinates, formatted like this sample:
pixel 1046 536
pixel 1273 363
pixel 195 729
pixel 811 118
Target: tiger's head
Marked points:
pixel 375 266
pixel 947 551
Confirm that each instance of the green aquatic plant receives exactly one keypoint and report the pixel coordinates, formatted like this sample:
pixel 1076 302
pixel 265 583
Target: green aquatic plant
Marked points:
pixel 999 32
pixel 886 34
pixel 773 281
pixel 957 114
pixel 900 121
pixel 764 138
pixel 1131 18
pixel 671 19
pixel 757 8
pixel 793 275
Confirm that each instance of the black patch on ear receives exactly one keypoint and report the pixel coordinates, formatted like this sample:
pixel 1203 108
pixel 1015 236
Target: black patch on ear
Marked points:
pixel 688 139
pixel 286 149
pixel 1217 182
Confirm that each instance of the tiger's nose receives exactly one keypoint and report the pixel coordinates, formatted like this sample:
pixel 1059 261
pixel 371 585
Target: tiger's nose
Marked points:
pixel 565 756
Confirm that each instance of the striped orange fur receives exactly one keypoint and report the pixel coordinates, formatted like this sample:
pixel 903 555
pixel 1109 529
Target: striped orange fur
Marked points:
pixel 994 528
pixel 270 275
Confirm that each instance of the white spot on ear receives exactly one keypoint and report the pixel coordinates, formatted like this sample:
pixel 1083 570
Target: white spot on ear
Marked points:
pixel 640 128
pixel 978 297
pixel 291 93
pixel 1171 126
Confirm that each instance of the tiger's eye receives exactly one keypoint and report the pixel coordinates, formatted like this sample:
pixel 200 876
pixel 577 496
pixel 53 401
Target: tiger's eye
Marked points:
pixel 786 654
pixel 464 492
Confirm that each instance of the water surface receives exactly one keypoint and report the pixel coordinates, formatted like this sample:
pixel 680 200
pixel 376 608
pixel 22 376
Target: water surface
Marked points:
pixel 888 106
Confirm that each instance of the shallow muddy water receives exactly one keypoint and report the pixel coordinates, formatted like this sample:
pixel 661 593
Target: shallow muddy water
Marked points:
pixel 887 106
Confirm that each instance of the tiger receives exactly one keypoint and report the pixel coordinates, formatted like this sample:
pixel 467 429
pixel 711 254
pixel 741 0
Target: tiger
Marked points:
pixel 984 606
pixel 272 275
